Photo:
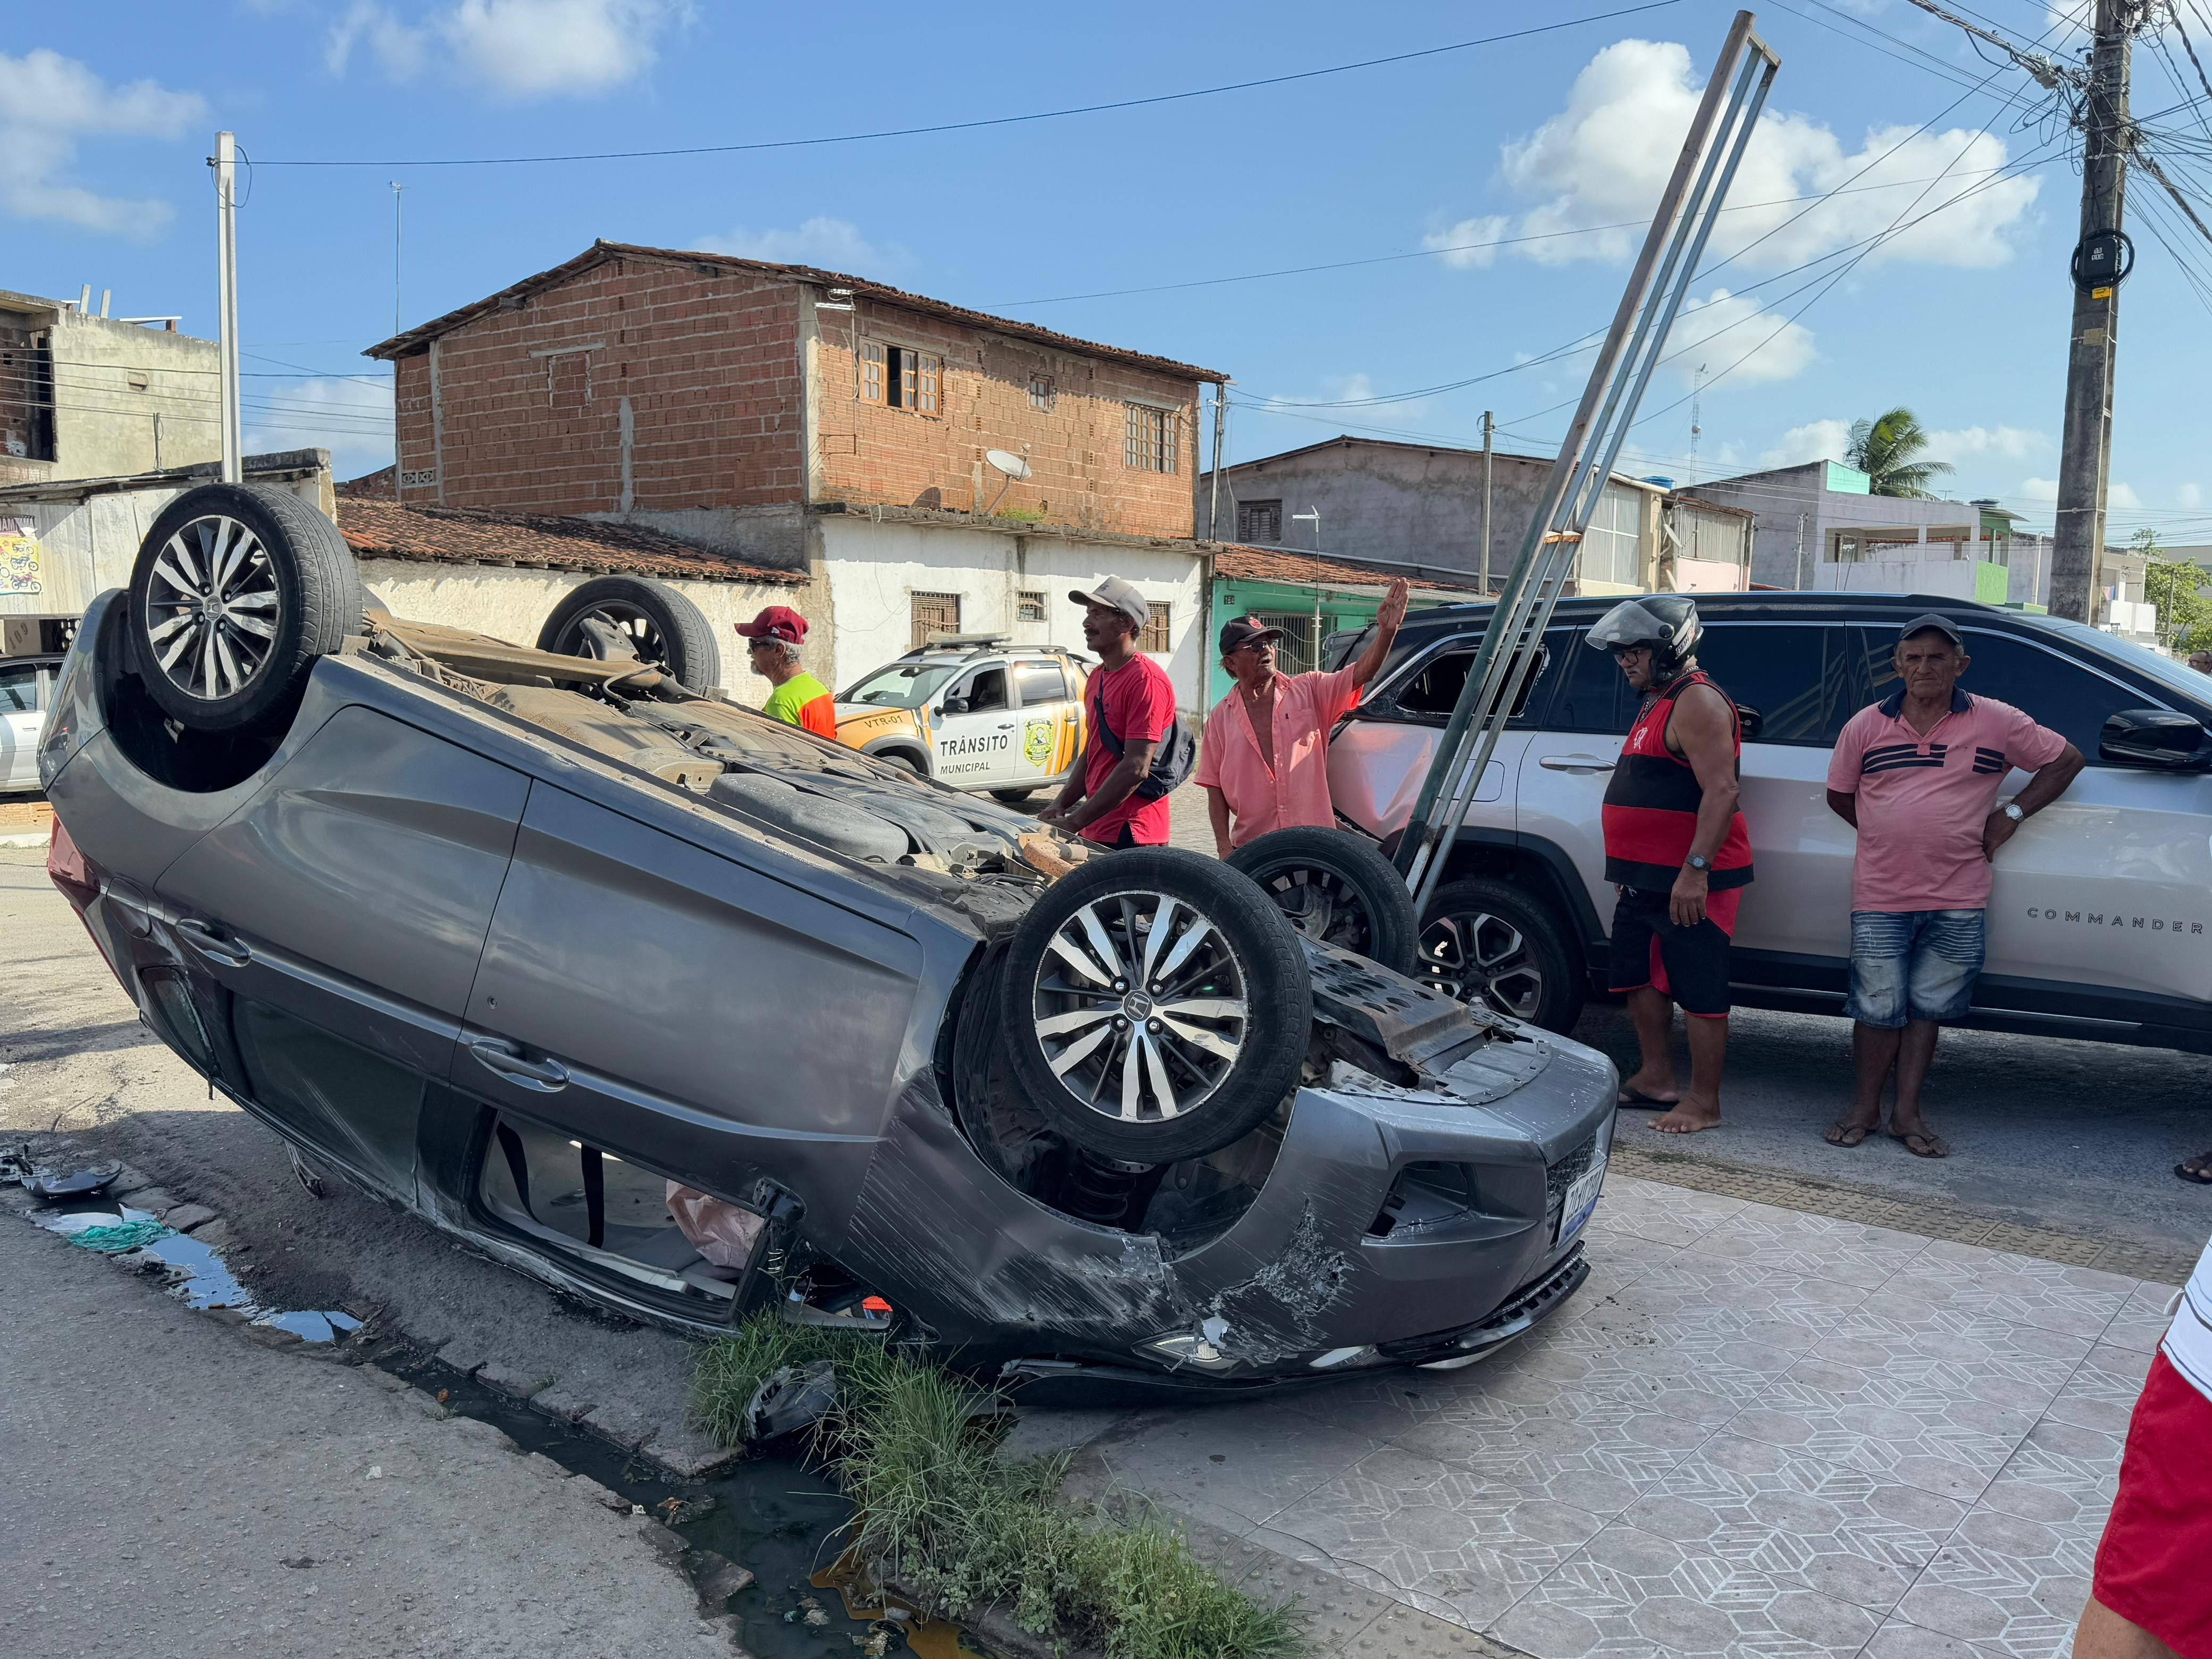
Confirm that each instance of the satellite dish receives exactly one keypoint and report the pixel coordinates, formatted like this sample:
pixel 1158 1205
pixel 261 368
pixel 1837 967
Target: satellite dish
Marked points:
pixel 1013 465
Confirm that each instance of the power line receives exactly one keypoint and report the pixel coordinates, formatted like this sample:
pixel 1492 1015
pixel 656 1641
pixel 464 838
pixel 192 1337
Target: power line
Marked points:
pixel 990 121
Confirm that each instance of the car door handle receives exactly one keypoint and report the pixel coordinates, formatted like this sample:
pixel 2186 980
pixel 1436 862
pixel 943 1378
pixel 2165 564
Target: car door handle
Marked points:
pixel 1574 763
pixel 545 1076
pixel 203 939
pixel 1005 725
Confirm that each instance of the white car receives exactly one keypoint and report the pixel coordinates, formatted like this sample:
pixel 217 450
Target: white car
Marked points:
pixel 2101 921
pixel 26 691
pixel 974 712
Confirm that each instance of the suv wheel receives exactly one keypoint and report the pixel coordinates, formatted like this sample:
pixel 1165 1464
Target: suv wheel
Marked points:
pixel 1488 942
pixel 1337 887
pixel 1156 1005
pixel 652 620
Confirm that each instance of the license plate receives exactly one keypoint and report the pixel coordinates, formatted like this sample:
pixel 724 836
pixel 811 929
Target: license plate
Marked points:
pixel 1581 1199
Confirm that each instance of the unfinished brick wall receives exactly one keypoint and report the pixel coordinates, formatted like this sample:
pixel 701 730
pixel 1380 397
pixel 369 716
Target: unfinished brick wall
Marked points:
pixel 869 452
pixel 530 416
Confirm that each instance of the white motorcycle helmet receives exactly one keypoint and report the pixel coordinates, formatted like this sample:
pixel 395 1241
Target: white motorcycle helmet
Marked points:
pixel 1668 623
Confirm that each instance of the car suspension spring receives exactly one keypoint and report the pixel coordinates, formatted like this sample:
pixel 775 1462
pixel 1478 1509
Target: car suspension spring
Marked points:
pixel 1099 1189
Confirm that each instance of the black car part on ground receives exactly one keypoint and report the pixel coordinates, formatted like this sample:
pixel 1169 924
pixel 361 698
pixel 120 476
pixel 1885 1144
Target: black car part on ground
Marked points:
pixel 609 615
pixel 1335 885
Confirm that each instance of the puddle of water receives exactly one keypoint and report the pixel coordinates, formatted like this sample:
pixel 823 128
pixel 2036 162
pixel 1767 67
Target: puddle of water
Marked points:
pixel 198 1272
pixel 770 1513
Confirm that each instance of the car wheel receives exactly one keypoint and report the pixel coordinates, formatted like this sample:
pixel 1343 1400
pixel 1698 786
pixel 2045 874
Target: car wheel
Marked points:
pixel 1337 887
pixel 236 592
pixel 901 758
pixel 660 626
pixel 1012 797
pixel 1488 942
pixel 1156 1005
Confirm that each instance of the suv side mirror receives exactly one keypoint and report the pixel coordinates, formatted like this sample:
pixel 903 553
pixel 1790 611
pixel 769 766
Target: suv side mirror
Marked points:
pixel 2155 738
pixel 956 705
pixel 1748 720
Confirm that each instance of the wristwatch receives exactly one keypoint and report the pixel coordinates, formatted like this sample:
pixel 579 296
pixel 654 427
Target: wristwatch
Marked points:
pixel 1701 865
pixel 2011 810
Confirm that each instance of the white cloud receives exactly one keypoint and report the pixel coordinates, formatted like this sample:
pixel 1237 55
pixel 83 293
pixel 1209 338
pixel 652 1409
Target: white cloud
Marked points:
pixel 1465 244
pixel 47 104
pixel 2190 496
pixel 517 48
pixel 1715 331
pixel 1603 160
pixel 836 244
pixel 2117 496
pixel 1815 440
pixel 2010 443
pixel 352 419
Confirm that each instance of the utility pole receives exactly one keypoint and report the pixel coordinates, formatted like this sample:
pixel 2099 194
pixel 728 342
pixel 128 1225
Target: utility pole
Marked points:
pixel 1802 582
pixel 226 283
pixel 1489 429
pixel 1213 504
pixel 1314 513
pixel 2099 262
pixel 396 188
pixel 1697 418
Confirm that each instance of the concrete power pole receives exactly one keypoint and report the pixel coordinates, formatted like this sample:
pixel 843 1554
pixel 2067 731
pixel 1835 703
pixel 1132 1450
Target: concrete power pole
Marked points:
pixel 226 285
pixel 1489 430
pixel 2086 449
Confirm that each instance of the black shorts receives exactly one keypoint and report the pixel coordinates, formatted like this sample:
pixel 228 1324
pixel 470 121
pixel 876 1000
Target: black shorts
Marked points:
pixel 1689 964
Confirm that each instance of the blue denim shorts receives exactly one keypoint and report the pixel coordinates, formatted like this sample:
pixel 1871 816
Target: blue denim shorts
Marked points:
pixel 1913 964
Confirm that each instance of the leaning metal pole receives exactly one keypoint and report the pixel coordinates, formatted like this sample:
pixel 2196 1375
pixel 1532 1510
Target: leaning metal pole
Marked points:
pixel 1633 346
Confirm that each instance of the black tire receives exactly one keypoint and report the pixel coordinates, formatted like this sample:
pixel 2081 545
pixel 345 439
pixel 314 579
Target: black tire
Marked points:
pixel 1337 887
pixel 666 629
pixel 1012 797
pixel 1226 1071
pixel 1494 945
pixel 223 563
pixel 902 758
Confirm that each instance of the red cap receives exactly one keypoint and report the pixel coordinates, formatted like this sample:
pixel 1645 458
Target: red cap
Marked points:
pixel 778 621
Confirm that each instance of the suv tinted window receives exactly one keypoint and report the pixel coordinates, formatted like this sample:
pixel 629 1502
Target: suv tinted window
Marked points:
pixel 1797 675
pixel 1593 693
pixel 18 690
pixel 1040 682
pixel 985 689
pixel 1433 693
pixel 2054 690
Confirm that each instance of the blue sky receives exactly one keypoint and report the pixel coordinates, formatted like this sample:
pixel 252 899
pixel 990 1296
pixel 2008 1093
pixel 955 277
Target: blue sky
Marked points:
pixel 1479 183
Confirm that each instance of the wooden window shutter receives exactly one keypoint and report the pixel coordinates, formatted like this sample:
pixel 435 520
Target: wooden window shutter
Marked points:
pixel 908 361
pixel 871 373
pixel 933 377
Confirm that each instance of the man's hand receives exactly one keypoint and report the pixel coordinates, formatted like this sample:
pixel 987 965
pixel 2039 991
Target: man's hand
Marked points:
pixel 1391 613
pixel 1687 904
pixel 1997 830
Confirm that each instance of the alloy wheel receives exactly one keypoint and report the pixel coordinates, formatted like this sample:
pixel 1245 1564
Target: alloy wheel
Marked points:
pixel 212 607
pixel 1321 904
pixel 1475 954
pixel 631 623
pixel 1140 1006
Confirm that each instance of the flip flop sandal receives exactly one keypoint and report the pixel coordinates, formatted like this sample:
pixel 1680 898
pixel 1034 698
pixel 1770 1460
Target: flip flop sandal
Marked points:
pixel 1847 1135
pixel 1637 1098
pixel 1931 1145
pixel 2199 1176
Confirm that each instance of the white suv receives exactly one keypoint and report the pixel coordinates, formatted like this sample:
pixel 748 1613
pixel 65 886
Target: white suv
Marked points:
pixel 2100 922
pixel 974 712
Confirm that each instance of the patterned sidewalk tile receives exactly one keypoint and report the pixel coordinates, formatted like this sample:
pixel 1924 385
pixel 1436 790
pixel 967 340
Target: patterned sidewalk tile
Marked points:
pixel 2102 1392
pixel 2142 1319
pixel 1670 1216
pixel 1954 1448
pixel 1899 1640
pixel 1633 1592
pixel 1596 1455
pixel 1946 1281
pixel 1811 1246
pixel 2013 1585
pixel 1467 1549
pixel 1235 1467
pixel 2017 1366
pixel 1849 1534
pixel 2064 1476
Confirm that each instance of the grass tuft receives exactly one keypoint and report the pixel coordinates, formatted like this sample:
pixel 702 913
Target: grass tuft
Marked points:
pixel 943 1515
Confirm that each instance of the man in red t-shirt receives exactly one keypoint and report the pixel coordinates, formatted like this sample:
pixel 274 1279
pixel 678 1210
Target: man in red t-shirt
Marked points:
pixel 1133 698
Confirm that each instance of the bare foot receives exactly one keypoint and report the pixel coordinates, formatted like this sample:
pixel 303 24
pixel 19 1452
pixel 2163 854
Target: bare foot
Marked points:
pixel 1689 1118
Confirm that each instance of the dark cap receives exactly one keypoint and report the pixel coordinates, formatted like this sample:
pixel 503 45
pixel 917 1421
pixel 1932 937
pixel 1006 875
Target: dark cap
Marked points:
pixel 1942 625
pixel 1240 631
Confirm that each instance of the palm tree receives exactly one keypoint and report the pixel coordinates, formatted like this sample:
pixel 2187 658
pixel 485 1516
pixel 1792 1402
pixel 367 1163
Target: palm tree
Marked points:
pixel 1885 449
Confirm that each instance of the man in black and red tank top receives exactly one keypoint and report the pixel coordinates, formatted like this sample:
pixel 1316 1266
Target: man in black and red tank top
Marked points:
pixel 1676 848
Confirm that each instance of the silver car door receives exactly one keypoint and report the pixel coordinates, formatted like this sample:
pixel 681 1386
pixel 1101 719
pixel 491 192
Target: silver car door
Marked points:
pixel 1570 760
pixel 20 722
pixel 975 730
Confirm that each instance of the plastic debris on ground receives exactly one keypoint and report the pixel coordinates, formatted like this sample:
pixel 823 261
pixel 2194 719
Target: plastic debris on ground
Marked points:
pixel 792 1398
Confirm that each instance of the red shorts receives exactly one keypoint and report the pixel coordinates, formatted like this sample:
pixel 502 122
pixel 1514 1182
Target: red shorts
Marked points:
pixel 2152 1564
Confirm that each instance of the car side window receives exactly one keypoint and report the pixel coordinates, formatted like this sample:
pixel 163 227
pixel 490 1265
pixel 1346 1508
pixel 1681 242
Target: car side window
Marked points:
pixel 1593 693
pixel 1798 675
pixel 984 689
pixel 1040 682
pixel 1433 692
pixel 2054 690
pixel 18 691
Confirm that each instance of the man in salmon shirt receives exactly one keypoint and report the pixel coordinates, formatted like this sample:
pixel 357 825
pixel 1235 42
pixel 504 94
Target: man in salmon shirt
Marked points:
pixel 1265 765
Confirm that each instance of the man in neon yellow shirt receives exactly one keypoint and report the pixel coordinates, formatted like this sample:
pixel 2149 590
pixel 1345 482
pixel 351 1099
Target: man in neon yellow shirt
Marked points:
pixel 773 639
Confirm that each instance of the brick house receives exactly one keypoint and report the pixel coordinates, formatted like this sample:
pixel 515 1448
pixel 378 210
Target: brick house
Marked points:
pixel 800 420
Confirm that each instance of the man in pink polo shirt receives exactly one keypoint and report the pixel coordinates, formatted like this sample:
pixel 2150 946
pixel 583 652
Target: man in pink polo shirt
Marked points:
pixel 1265 761
pixel 1917 775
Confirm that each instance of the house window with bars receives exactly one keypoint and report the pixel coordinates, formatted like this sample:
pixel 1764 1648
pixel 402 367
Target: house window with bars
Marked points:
pixel 1152 439
pixel 899 377
pixel 933 613
pixel 1294 652
pixel 1041 392
pixel 1031 606
pixel 1260 521
pixel 1156 634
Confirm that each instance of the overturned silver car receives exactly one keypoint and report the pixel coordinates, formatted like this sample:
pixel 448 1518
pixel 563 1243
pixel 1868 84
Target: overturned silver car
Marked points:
pixel 694 1014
